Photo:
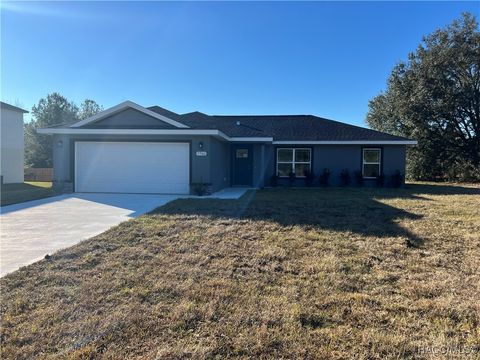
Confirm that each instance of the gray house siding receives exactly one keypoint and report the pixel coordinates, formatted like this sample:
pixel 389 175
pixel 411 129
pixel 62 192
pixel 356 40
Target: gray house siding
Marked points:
pixel 394 159
pixel 269 164
pixel 219 154
pixel 336 158
pixel 61 159
pixel 129 119
pixel 215 167
pixel 258 165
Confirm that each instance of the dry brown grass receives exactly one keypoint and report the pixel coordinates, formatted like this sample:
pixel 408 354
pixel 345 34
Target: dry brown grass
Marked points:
pixel 330 273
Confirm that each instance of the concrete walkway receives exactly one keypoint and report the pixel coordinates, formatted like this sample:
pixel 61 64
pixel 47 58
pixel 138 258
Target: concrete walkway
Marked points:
pixel 33 229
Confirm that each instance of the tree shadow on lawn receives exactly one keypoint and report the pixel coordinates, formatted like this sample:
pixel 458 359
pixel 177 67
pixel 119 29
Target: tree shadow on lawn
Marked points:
pixel 357 210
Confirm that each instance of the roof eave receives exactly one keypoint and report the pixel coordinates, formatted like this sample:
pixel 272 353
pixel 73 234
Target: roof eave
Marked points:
pixel 346 142
pixel 173 132
pixel 216 133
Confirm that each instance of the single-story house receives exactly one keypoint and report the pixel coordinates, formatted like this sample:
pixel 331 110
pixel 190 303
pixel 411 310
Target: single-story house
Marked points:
pixel 12 143
pixel 132 149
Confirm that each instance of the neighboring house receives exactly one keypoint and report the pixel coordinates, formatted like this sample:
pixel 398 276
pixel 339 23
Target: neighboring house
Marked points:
pixel 132 149
pixel 12 143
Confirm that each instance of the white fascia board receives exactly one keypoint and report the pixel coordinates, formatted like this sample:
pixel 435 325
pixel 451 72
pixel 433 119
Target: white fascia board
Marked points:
pixel 122 106
pixel 212 132
pixel 81 131
pixel 359 142
pixel 251 139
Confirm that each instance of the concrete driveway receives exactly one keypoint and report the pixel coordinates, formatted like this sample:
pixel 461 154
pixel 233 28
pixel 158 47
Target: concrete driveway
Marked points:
pixel 33 229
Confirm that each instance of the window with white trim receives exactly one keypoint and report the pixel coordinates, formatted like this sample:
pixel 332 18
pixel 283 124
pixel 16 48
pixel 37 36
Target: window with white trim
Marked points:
pixel 371 162
pixel 293 160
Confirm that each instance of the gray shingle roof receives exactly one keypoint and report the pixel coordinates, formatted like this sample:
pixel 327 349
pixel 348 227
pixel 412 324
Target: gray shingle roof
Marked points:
pixel 278 127
pixel 162 111
pixel 282 127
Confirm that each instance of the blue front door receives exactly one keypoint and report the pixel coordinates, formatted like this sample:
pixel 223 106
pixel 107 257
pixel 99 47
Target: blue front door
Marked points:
pixel 242 161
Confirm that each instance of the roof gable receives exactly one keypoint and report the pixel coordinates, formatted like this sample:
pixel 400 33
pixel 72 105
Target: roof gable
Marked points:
pixel 124 106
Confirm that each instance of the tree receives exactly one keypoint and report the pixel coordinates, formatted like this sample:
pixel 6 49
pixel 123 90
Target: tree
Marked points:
pixel 88 108
pixel 434 97
pixel 50 111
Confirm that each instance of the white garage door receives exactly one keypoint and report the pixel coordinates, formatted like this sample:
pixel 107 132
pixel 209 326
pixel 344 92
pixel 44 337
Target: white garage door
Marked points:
pixel 132 167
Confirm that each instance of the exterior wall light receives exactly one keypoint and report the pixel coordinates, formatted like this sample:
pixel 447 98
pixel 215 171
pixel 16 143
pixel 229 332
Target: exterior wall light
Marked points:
pixel 60 143
pixel 200 145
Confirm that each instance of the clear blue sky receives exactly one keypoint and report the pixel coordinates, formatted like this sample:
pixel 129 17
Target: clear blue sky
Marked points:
pixel 320 58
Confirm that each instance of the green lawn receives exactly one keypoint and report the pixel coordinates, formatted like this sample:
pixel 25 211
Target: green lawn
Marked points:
pixel 18 193
pixel 282 273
